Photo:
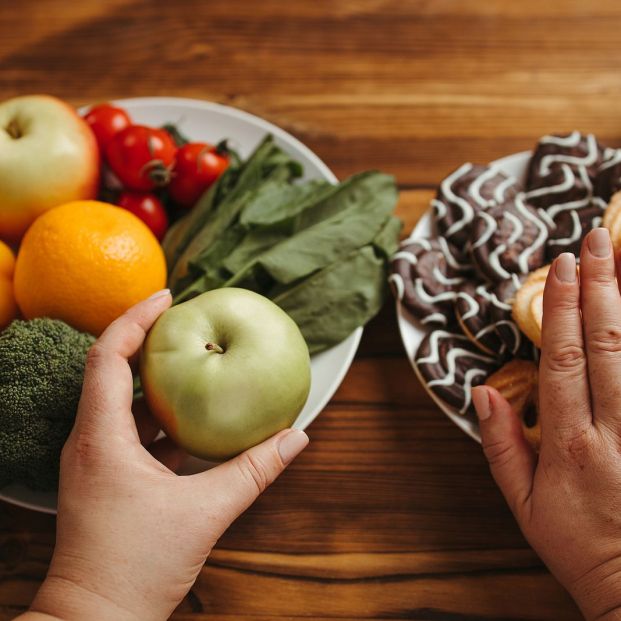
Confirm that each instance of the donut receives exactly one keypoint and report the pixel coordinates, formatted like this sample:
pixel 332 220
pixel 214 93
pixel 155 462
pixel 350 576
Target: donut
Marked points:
pixel 451 365
pixel 560 185
pixel 518 382
pixel 424 276
pixel 465 192
pixel 508 239
pixel 612 220
pixel 527 310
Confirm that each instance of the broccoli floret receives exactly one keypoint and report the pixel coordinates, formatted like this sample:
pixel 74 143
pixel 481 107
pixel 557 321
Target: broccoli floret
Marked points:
pixel 41 372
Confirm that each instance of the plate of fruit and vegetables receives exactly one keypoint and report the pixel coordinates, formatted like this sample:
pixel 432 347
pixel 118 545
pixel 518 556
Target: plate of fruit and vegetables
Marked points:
pixel 469 279
pixel 238 205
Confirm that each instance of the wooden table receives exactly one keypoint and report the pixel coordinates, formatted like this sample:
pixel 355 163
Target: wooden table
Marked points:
pixel 391 512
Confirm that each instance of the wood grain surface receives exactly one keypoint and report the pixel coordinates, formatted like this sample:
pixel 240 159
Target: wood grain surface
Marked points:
pixel 391 512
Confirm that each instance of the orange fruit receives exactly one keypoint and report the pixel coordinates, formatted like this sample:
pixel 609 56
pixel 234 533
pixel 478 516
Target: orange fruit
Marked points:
pixel 8 305
pixel 87 262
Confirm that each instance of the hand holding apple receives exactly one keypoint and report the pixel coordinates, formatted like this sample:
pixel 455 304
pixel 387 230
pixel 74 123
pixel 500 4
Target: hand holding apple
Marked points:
pixel 49 157
pixel 224 371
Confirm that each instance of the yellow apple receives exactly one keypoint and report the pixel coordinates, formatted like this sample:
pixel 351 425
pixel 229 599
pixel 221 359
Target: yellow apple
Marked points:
pixel 48 156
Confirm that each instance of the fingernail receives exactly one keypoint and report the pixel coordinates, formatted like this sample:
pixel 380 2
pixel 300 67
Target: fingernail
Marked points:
pixel 565 267
pixel 159 294
pixel 482 405
pixel 291 445
pixel 599 242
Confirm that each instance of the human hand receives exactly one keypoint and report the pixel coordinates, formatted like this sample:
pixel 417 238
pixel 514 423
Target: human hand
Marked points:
pixel 132 535
pixel 568 500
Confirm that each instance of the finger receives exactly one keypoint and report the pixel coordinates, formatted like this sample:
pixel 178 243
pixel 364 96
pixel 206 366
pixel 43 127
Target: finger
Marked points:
pixel 511 459
pixel 601 315
pixel 563 385
pixel 168 453
pixel 107 391
pixel 236 484
pixel 146 425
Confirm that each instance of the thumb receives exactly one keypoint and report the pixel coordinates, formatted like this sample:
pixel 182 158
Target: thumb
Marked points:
pixel 511 459
pixel 237 483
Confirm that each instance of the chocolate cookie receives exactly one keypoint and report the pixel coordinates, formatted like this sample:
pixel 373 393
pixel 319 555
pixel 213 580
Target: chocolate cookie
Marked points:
pixel 560 182
pixel 508 239
pixel 451 365
pixel 473 311
pixel 608 178
pixel 464 193
pixel 425 275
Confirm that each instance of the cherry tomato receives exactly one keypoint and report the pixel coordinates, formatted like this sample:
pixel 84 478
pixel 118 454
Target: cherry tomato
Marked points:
pixel 106 120
pixel 148 208
pixel 197 166
pixel 142 157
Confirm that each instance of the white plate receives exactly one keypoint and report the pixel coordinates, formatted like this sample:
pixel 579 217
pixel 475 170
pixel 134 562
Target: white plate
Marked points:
pixel 412 332
pixel 210 122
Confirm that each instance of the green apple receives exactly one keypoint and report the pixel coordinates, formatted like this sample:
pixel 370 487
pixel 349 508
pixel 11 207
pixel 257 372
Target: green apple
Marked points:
pixel 49 156
pixel 224 371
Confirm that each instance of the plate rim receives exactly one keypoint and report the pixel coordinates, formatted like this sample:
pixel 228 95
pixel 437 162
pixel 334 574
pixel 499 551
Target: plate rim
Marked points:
pixel 352 340
pixel 406 321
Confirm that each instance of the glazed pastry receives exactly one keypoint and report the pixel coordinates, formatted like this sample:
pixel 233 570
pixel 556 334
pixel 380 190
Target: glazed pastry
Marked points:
pixel 608 178
pixel 528 305
pixel 508 239
pixel 451 365
pixel 425 276
pixel 465 192
pixel 518 382
pixel 612 220
pixel 560 184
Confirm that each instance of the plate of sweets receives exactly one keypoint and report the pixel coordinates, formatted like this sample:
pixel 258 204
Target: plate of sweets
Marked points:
pixel 469 279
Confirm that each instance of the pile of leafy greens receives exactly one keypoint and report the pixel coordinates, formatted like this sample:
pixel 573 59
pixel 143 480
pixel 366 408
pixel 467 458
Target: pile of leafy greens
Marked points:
pixel 318 250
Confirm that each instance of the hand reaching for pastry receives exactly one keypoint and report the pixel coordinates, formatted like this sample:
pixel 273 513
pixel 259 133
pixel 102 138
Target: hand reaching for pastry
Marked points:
pixel 567 500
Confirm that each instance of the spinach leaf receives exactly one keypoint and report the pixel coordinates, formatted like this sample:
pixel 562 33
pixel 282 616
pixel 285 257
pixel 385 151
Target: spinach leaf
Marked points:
pixel 333 302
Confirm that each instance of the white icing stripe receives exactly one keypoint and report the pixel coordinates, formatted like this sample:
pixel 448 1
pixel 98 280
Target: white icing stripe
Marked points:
pixel 587 160
pixel 439 207
pixel 468 377
pixel 613 157
pixel 543 214
pixel 567 141
pixel 566 184
pixel 451 364
pixel 419 287
pixel 483 331
pixel 596 222
pixel 434 352
pixel 540 239
pixel 474 307
pixel 436 317
pixel 501 189
pixel 554 210
pixel 467 211
pixel 517 336
pixel 443 280
pixel 475 188
pixel 576 233
pixel 491 226
pixel 399 287
pixel 518 228
pixel 404 255
pixel 450 257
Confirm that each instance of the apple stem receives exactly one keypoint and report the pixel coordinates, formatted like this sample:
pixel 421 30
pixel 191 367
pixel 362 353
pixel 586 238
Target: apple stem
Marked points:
pixel 214 347
pixel 13 129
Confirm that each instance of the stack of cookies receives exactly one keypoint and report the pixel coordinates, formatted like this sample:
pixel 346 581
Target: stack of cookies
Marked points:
pixel 476 285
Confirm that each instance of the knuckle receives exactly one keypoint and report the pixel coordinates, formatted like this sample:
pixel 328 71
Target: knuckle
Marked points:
pixel 255 472
pixel 604 341
pixel 95 356
pixel 565 358
pixel 81 450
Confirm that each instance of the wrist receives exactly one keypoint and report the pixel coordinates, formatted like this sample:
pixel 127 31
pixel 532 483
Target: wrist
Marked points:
pixel 60 599
pixel 598 592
